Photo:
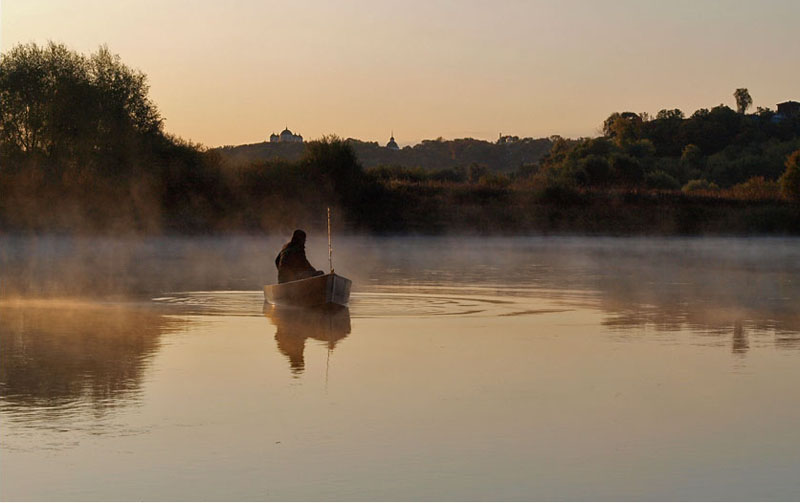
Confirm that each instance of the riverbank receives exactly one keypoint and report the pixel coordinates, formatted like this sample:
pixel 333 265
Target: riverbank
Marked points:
pixel 486 210
pixel 431 209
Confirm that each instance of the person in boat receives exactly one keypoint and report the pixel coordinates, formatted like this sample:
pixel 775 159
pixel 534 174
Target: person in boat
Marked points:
pixel 292 263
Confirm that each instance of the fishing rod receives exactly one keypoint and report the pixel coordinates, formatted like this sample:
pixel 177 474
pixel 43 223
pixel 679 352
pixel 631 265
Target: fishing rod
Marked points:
pixel 330 247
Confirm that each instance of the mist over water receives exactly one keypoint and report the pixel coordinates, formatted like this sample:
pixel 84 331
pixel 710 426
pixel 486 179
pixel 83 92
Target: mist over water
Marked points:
pixel 665 281
pixel 464 368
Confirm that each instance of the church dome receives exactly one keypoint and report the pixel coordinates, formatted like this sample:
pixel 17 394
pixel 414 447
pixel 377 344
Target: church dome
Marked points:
pixel 286 136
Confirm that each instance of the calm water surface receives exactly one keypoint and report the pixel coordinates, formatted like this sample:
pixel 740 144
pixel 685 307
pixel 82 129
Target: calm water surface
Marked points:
pixel 464 369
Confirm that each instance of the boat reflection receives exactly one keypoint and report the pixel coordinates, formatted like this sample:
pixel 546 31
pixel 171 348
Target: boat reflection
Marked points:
pixel 293 325
pixel 740 341
pixel 61 354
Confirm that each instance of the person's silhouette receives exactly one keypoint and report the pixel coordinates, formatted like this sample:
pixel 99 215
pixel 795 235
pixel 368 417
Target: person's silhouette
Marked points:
pixel 292 263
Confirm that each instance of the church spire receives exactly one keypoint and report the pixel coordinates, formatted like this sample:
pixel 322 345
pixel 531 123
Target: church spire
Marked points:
pixel 392 145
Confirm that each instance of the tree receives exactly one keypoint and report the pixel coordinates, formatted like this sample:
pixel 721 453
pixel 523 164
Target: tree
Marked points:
pixel 623 127
pixel 790 180
pixel 641 149
pixel 626 169
pixel 64 106
pixel 691 162
pixel 625 124
pixel 30 78
pixel 674 114
pixel 691 155
pixel 596 170
pixel 743 100
pixel 666 132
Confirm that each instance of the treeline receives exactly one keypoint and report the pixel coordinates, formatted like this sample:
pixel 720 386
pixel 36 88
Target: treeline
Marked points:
pixel 718 153
pixel 710 151
pixel 506 155
pixel 82 148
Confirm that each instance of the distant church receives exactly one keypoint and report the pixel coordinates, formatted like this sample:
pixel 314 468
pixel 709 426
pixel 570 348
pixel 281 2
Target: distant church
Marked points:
pixel 286 136
pixel 392 145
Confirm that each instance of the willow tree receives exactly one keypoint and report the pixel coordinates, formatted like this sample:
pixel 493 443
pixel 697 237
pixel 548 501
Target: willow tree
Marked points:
pixel 66 107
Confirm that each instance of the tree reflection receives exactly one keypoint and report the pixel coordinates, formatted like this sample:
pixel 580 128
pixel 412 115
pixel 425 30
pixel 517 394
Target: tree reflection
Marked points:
pixel 787 340
pixel 746 298
pixel 294 325
pixel 56 353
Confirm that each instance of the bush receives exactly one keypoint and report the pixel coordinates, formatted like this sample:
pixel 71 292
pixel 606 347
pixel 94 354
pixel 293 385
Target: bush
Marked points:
pixel 790 180
pixel 596 168
pixel 494 180
pixel 692 157
pixel 389 173
pixel 701 185
pixel 756 188
pixel 661 180
pixel 626 169
pixel 449 175
pixel 475 172
pixel 559 192
pixel 641 149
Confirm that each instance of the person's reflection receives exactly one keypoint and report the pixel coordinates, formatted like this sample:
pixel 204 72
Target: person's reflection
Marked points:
pixel 294 325
pixel 740 343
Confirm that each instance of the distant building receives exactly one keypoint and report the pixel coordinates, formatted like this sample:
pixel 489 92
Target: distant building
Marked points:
pixel 392 145
pixel 507 139
pixel 286 136
pixel 789 108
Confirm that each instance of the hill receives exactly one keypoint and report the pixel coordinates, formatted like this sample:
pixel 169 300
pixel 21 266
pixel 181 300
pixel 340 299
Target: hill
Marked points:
pixel 506 155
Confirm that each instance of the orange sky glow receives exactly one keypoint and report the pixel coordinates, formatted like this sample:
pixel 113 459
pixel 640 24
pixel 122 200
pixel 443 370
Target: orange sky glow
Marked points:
pixel 233 72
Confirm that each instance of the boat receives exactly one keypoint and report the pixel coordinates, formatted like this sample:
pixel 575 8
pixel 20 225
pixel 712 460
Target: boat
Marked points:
pixel 327 290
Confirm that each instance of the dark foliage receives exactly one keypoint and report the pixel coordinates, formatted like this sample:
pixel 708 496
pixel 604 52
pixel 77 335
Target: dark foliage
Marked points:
pixel 719 146
pixel 82 149
pixel 505 155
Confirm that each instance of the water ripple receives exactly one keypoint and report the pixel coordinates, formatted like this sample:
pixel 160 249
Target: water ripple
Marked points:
pixel 402 302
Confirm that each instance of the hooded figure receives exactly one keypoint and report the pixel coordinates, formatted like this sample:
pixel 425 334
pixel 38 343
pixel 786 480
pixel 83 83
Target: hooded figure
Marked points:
pixel 291 261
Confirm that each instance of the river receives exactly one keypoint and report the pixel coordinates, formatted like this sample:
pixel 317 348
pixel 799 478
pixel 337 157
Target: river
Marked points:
pixel 466 368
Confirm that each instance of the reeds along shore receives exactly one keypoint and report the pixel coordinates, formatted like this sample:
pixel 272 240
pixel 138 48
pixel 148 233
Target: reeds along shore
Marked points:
pixel 532 210
pixel 396 207
pixel 186 190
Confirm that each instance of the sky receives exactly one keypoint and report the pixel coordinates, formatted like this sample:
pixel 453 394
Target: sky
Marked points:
pixel 233 72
